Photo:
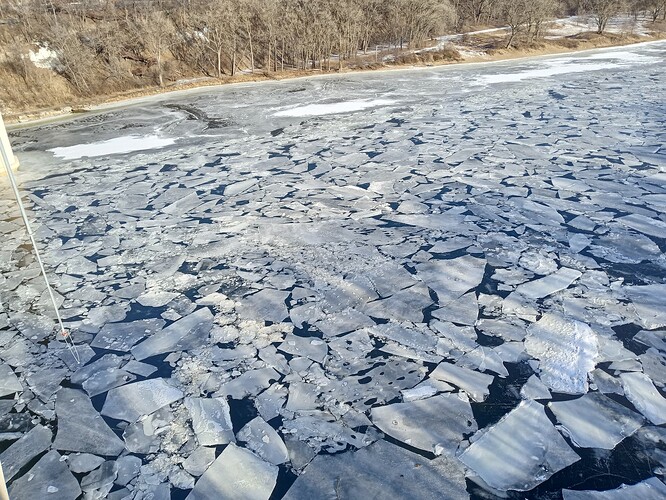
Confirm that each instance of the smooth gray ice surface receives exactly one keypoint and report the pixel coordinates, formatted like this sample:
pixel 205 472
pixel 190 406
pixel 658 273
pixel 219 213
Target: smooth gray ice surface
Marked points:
pixel 382 470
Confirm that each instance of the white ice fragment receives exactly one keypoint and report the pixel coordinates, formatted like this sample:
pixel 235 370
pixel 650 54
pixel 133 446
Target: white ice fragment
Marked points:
pixel 543 287
pixel 452 278
pixel 9 383
pixel 534 389
pixel 84 462
pixel 643 224
pixel 472 382
pixel 132 401
pixel 22 451
pixel 417 393
pixel 578 242
pixel 519 452
pixel 122 336
pixel 437 422
pixel 566 350
pixel 381 470
pixel 462 311
pixel 187 332
pixel 211 420
pixel 484 359
pixel 309 347
pixel 649 301
pixel 263 440
pixel 48 471
pixel 80 426
pixel 265 305
pixel 650 489
pixel 595 420
pixel 639 389
pixel 197 463
pixel 155 298
pixel 554 67
pixel 249 383
pixel 236 473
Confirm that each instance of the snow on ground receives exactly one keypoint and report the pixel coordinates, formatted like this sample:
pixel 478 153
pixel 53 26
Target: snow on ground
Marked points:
pixel 386 284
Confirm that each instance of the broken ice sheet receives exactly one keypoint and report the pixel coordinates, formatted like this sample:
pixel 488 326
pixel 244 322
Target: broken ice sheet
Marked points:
pixel 474 383
pixel 81 428
pixel 519 452
pixel 123 336
pixel 264 441
pixel 566 350
pixel 436 424
pixel 650 489
pixel 22 451
pixel 211 420
pixel 382 470
pixel 595 420
pixel 649 301
pixel 542 287
pixel 451 279
pixel 9 384
pixel 187 332
pixel 265 305
pixel 462 311
pixel 310 347
pixel 236 473
pixel 48 479
pixel 131 401
pixel 639 389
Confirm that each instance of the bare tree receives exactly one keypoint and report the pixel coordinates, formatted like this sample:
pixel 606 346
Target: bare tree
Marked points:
pixel 603 11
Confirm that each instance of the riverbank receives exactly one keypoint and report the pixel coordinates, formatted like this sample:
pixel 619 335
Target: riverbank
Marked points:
pixel 480 47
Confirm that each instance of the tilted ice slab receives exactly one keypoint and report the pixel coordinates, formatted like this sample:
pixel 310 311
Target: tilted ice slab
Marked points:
pixel 132 401
pixel 543 287
pixel 181 335
pixel 22 451
pixel 211 420
pixel 649 301
pixel 520 452
pixel 650 489
pixel 642 393
pixel 436 424
pixel 334 108
pixel 236 473
pixel 596 421
pixel 263 440
pixel 50 478
pixel 9 383
pixel 81 428
pixel 116 145
pixel 566 350
pixel 381 470
pixel 474 383
pixel 452 278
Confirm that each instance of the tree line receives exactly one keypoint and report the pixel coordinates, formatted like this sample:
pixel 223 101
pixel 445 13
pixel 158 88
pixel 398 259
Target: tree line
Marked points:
pixel 103 46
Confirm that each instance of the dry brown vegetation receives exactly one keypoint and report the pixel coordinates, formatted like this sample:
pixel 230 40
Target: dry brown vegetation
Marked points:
pixel 92 49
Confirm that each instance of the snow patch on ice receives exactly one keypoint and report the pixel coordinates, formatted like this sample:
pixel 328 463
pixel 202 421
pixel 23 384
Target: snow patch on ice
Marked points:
pixel 566 350
pixel 557 67
pixel 127 144
pixel 334 108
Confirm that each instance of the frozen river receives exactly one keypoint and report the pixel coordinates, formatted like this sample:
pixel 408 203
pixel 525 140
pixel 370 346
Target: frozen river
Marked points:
pixel 439 283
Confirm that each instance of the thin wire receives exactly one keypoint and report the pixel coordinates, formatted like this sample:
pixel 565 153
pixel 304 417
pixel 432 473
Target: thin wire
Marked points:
pixel 12 180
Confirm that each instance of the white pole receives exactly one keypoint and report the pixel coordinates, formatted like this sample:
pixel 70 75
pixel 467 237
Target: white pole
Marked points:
pixel 3 487
pixel 8 159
